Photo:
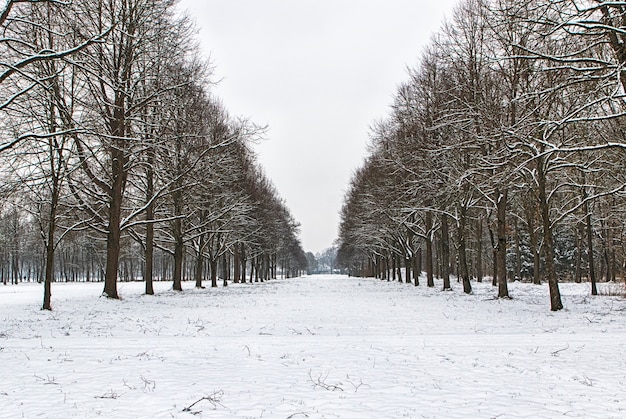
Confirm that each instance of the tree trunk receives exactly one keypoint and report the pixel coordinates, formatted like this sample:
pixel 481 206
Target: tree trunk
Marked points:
pixel 463 268
pixel 114 232
pixel 178 256
pixel 386 263
pixel 199 271
pixel 479 250
pixel 494 255
pixel 213 266
pixel 589 228
pixel 417 267
pixel 119 174
pixel 398 267
pixel 377 269
pixel 437 254
pixel 236 264
pixel 224 270
pixel 445 252
pixel 56 171
pixel 518 253
pixel 536 250
pixel 407 269
pixel 579 233
pixel 149 250
pixel 244 262
pixel 429 250
pixel 553 283
pixel 503 290
pixel 47 287
pixel 50 247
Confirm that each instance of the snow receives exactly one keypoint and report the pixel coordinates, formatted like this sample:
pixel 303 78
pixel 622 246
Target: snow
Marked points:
pixel 312 347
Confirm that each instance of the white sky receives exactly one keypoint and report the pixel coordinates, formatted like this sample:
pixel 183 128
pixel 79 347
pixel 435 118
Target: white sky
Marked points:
pixel 318 73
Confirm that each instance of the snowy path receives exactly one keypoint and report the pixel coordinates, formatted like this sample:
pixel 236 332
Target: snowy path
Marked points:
pixel 317 347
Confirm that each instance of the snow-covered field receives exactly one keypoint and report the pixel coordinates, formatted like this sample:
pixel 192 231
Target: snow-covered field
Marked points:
pixel 315 347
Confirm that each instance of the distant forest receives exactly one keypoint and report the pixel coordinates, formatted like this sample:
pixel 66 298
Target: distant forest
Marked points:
pixel 503 154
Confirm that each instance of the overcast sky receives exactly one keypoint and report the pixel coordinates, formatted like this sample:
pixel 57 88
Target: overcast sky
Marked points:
pixel 318 73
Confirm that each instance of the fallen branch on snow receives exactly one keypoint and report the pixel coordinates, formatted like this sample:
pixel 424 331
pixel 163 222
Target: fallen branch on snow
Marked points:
pixel 215 399
pixel 111 394
pixel 357 385
pixel 558 351
pixel 321 382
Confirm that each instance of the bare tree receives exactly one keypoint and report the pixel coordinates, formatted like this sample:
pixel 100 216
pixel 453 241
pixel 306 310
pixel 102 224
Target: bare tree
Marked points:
pixel 20 52
pixel 112 70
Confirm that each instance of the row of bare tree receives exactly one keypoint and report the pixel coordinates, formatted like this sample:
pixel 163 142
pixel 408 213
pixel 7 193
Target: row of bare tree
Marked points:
pixel 110 138
pixel 505 147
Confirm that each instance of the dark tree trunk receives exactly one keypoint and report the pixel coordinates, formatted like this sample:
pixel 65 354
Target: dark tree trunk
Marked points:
pixel 225 269
pixel 387 273
pixel 417 266
pixel 494 255
pixel 113 253
pixel 199 271
pixel 50 247
pixel 553 282
pixel 119 173
pixel 56 164
pixel 407 269
pixel 114 232
pixel 236 264
pixel 537 266
pixel 531 222
pixel 179 248
pixel 429 250
pixel 213 267
pixel 377 273
pixel 244 262
pixel 445 252
pixel 503 289
pixel 437 254
pixel 149 251
pixel 536 259
pixel 589 230
pixel 266 267
pixel 463 268
pixel 479 250
pixel 47 284
pixel 579 233
pixel 518 253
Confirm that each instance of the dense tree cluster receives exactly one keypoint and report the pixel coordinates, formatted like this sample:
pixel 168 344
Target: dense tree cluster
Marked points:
pixel 323 262
pixel 118 161
pixel 503 152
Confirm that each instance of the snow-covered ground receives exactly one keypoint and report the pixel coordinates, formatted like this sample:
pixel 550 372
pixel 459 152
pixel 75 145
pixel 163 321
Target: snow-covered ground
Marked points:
pixel 315 347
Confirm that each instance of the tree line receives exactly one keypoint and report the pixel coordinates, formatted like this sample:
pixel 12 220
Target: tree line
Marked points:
pixel 118 160
pixel 502 154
